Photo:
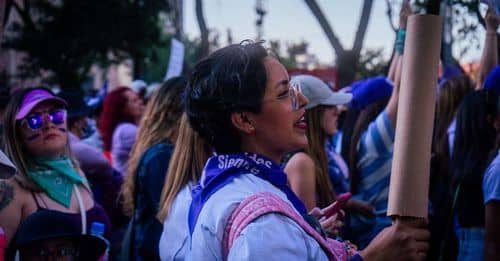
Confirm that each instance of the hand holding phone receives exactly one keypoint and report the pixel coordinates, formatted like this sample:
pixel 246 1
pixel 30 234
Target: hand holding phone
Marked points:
pixel 337 205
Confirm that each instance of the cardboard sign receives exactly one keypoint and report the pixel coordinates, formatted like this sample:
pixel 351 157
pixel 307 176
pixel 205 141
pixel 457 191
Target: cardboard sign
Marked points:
pixel 408 192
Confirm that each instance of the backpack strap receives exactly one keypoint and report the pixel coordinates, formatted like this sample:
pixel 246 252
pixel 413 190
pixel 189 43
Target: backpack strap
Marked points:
pixel 263 203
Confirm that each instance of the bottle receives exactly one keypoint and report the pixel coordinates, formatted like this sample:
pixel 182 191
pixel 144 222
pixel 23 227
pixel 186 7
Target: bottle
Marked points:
pixel 97 229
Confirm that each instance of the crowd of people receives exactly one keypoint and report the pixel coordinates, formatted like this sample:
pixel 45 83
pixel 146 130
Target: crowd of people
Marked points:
pixel 241 161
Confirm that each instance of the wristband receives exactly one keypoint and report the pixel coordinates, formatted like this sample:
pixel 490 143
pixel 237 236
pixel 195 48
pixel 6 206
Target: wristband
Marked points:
pixel 400 41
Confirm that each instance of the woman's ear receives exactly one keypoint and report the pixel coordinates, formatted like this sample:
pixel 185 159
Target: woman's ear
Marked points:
pixel 241 122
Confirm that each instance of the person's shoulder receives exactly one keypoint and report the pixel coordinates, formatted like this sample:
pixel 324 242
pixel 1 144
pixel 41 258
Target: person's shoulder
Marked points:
pixel 301 158
pixel 491 181
pixel 301 162
pixel 12 193
pixel 221 204
pixel 157 151
pixel 161 147
pixel 125 127
pixel 493 170
pixel 81 147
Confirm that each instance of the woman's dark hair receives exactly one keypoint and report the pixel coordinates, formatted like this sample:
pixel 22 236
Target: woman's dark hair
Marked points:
pixel 113 114
pixel 474 140
pixel 451 94
pixel 351 116
pixel 232 79
pixel 475 135
pixel 366 116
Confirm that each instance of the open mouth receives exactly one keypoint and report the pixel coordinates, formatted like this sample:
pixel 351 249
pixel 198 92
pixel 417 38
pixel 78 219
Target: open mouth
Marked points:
pixel 301 123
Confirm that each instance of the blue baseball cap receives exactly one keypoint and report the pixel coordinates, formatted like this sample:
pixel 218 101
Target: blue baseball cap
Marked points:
pixel 366 92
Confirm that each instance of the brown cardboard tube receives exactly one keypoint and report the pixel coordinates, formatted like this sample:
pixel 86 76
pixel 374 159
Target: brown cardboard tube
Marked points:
pixel 408 192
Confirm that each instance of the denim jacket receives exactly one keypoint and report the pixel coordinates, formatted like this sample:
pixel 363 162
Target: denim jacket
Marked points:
pixel 150 176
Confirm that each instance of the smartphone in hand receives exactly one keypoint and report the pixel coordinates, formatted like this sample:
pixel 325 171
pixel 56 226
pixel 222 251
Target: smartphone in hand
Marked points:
pixel 337 205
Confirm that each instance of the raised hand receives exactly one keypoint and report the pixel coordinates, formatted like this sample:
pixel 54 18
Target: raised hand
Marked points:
pixel 491 20
pixel 404 13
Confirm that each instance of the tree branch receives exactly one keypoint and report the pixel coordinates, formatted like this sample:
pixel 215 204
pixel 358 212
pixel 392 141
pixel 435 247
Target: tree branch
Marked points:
pixel 203 28
pixel 325 25
pixel 363 25
pixel 25 15
pixel 389 15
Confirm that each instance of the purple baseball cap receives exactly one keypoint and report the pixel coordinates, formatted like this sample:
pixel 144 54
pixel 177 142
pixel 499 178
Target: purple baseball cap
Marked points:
pixel 35 97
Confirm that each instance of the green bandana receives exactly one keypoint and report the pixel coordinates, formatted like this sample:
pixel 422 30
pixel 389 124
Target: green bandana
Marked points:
pixel 56 178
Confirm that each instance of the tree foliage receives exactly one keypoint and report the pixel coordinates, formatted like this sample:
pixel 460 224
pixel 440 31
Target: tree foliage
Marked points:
pixel 372 63
pixel 66 37
pixel 466 21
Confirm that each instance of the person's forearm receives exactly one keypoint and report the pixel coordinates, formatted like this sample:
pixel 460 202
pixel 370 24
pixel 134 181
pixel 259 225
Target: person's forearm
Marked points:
pixel 391 75
pixel 392 105
pixel 489 57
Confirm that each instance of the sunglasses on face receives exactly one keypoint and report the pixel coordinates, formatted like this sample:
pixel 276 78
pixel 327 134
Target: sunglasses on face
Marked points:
pixel 36 121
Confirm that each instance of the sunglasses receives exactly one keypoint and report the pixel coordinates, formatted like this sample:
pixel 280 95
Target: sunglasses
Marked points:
pixel 36 121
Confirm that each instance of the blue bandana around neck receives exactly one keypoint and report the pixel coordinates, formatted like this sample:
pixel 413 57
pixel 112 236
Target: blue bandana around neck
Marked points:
pixel 222 169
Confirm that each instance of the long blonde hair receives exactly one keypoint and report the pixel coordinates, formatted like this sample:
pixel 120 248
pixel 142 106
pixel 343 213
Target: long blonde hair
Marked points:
pixel 316 137
pixel 186 165
pixel 13 142
pixel 159 124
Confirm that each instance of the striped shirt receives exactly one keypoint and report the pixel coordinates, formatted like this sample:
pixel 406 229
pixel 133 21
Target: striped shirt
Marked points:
pixel 375 150
pixel 491 181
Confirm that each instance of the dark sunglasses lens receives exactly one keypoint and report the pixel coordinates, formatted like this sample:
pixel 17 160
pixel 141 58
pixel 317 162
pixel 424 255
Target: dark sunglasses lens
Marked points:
pixel 57 117
pixel 35 122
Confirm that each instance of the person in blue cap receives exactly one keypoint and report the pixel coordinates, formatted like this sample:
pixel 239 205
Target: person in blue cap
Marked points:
pixel 371 151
